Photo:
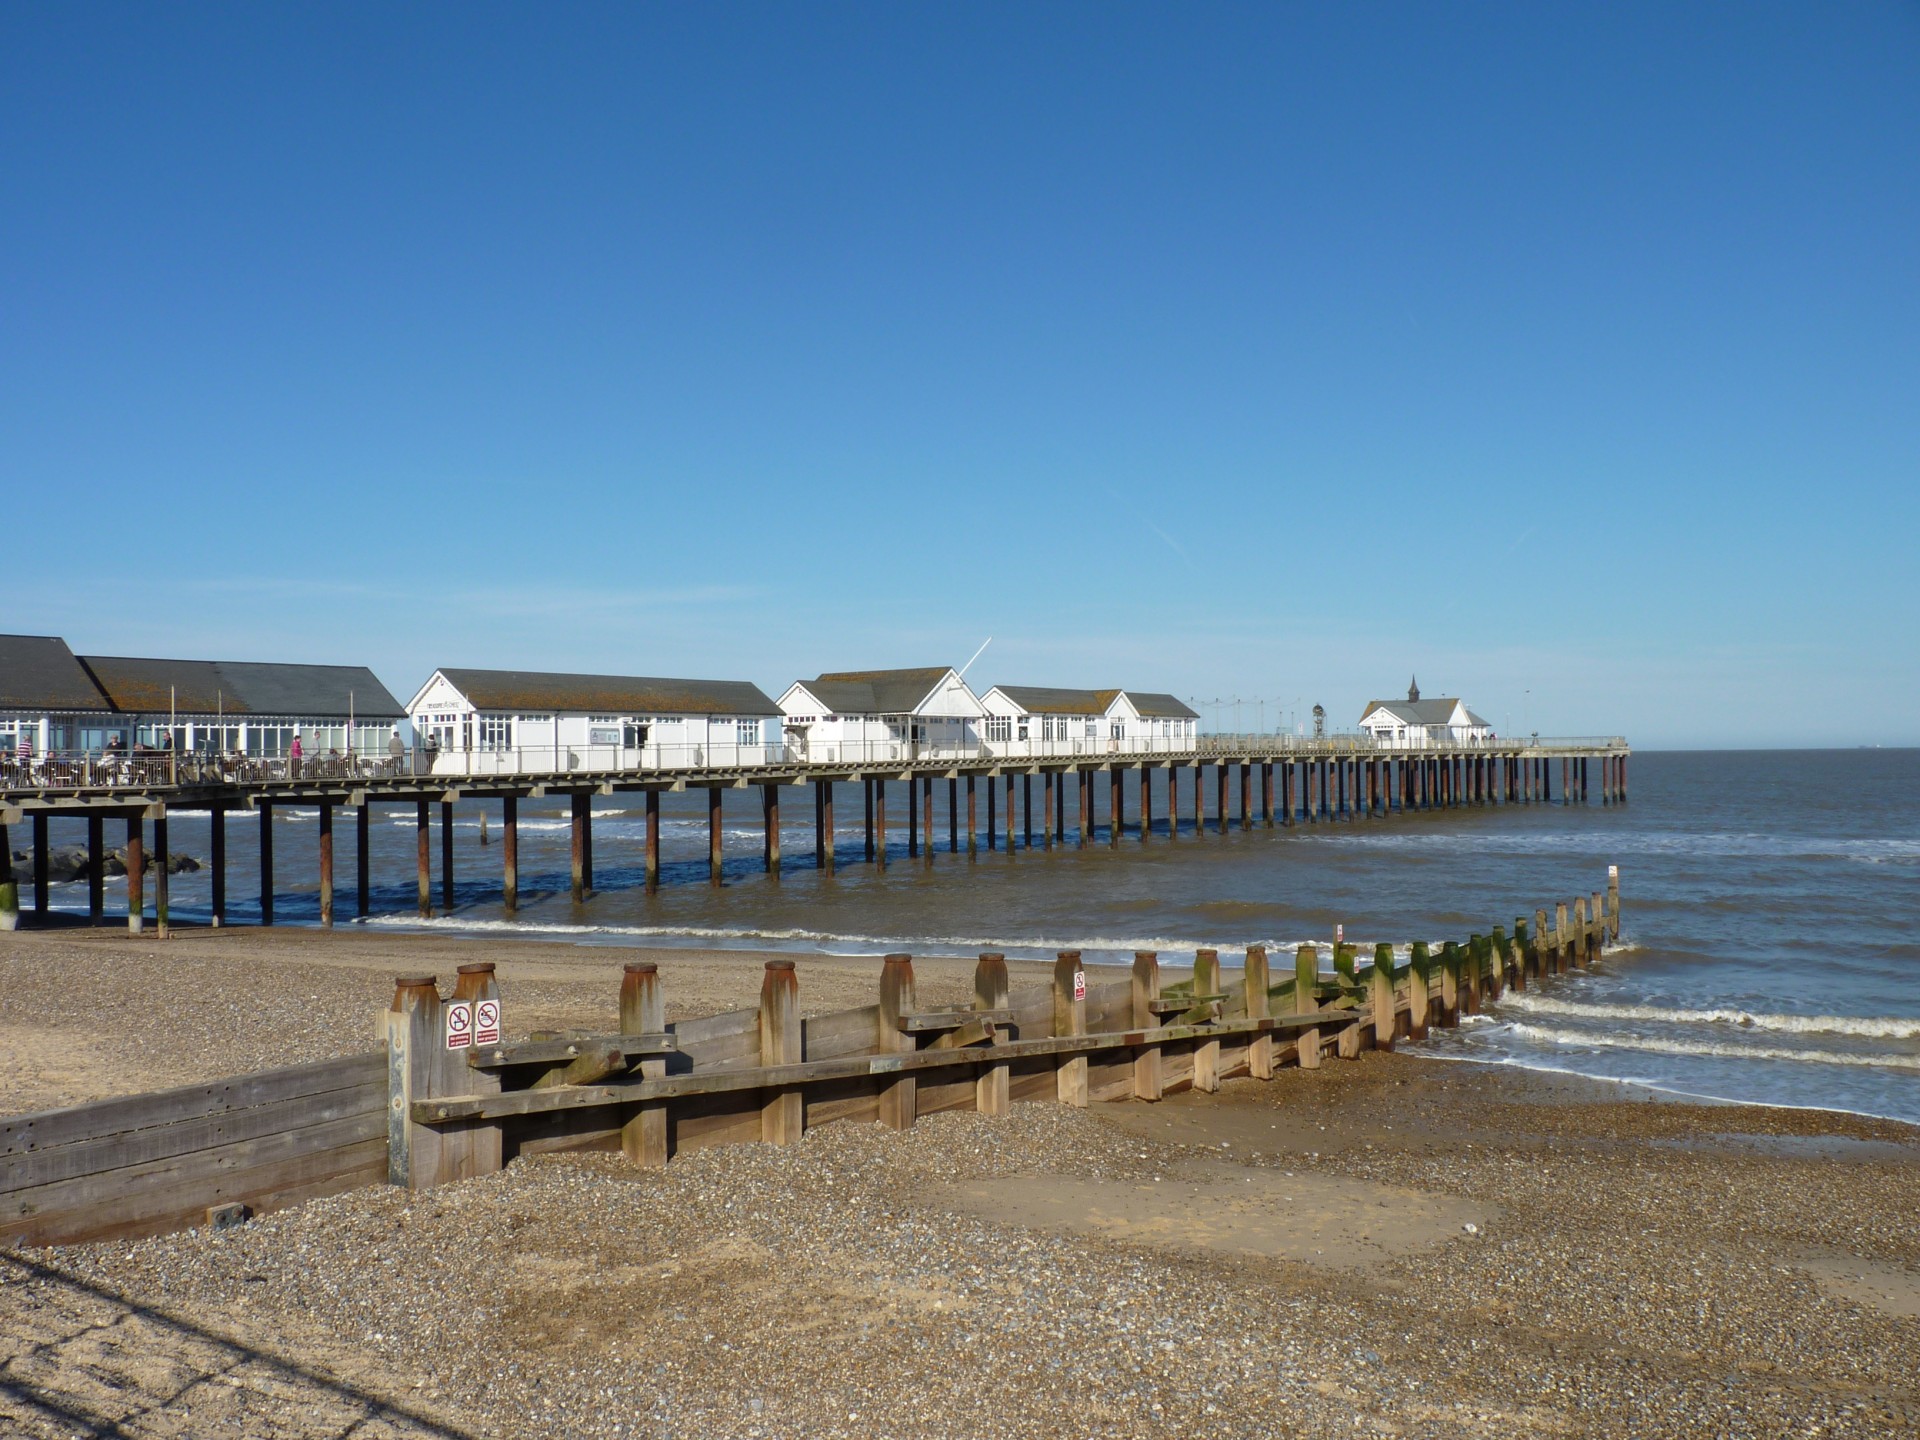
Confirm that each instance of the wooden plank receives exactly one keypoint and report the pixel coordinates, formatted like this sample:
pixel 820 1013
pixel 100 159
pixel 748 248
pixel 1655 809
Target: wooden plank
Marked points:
pixel 1069 1021
pixel 207 1132
pixel 98 1119
pixel 897 1101
pixel 644 1138
pixel 527 1102
pixel 1205 998
pixel 782 1110
pixel 124 1185
pixel 928 1022
pixel 1143 996
pixel 1257 987
pixel 262 1188
pixel 568 1047
pixel 843 1033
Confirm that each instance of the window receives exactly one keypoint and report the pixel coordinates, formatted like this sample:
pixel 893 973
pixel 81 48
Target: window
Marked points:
pixel 1093 729
pixel 1023 727
pixel 747 732
pixel 999 727
pixel 496 732
pixel 1117 730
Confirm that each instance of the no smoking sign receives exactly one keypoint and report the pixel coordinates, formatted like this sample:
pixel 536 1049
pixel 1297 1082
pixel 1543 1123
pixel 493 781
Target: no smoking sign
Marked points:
pixel 460 1024
pixel 486 1022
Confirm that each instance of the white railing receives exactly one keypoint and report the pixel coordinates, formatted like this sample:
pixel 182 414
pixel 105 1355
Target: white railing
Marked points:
pixel 160 768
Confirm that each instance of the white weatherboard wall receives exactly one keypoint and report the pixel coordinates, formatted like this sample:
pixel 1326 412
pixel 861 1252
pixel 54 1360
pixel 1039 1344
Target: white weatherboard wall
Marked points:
pixel 944 723
pixel 471 741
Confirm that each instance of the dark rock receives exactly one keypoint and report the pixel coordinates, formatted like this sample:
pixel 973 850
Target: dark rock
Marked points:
pixel 177 862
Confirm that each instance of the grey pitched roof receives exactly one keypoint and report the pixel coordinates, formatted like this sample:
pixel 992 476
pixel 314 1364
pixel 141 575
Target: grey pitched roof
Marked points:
pixel 39 672
pixel 1053 700
pixel 523 691
pixel 1156 706
pixel 241 687
pixel 875 692
pixel 1414 712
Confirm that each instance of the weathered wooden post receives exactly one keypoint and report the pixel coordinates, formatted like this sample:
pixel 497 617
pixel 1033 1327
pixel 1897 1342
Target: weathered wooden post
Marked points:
pixel 1449 983
pixel 1562 936
pixel 160 874
pixel 899 1098
pixel 1306 999
pixel 643 1011
pixel 265 808
pixel 1246 795
pixel 1116 804
pixel 415 1043
pixel 474 1147
pixel 1497 972
pixel 1473 965
pixel 1026 808
pixel 1542 945
pixel 926 816
pixel 1259 1007
pixel 1381 984
pixel 362 858
pixel 1345 966
pixel 770 824
pixel 1147 1083
pixel 1520 945
pixel 993 814
pixel 577 848
pixel 1582 934
pixel 1613 903
pixel 9 886
pixel 866 810
pixel 326 864
pixel 446 857
pixel 39 862
pixel 1083 799
pixel 1070 1018
pixel 1199 800
pixel 824 834
pixel 422 854
pixel 783 1113
pixel 973 814
pixel 1266 794
pixel 953 815
pixel 1206 981
pixel 877 851
pixel 1419 997
pixel 993 1088
pixel 97 868
pixel 1222 818
pixel 136 876
pixel 913 817
pixel 1046 809
pixel 716 836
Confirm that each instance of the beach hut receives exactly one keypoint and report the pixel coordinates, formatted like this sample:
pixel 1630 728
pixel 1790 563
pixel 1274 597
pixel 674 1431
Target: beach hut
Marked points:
pixel 862 715
pixel 488 722
pixel 1421 723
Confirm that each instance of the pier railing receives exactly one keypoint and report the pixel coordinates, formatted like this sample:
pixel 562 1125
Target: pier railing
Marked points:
pixel 159 769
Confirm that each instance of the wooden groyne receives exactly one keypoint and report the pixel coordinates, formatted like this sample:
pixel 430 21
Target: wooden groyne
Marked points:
pixel 990 803
pixel 449 1098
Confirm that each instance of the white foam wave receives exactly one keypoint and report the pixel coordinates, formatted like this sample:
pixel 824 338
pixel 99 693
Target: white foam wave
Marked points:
pixel 1548 1035
pixel 746 936
pixel 1877 1027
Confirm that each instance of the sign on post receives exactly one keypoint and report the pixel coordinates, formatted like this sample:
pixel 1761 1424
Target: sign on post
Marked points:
pixel 1339 934
pixel 460 1024
pixel 486 1022
pixel 1079 984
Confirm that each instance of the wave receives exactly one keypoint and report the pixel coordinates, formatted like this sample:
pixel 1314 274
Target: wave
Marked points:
pixel 1879 1028
pixel 1712 1049
pixel 863 944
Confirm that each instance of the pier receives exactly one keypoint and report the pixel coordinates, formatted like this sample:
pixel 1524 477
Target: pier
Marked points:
pixel 1344 779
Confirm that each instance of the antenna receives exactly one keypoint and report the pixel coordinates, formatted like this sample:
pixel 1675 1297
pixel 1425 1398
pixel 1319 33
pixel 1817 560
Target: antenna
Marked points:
pixel 976 655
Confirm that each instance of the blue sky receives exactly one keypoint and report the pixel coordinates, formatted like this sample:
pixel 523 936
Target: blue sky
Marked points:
pixel 1568 355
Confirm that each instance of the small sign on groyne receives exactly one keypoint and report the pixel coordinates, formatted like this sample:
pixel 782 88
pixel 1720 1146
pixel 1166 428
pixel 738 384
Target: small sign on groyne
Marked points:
pixel 441 1104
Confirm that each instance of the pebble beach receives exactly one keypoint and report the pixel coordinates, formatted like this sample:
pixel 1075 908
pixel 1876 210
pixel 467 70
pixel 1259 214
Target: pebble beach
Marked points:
pixel 1393 1246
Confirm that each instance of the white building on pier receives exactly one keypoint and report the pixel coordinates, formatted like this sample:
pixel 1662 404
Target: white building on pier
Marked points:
pixel 497 722
pixel 1422 723
pixel 862 715
pixel 1043 720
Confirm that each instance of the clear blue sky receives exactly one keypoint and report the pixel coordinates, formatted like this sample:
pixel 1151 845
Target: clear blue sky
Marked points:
pixel 1568 355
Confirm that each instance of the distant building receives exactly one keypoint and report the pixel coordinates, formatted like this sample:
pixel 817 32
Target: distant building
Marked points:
pixel 1416 722
pixel 1041 720
pixel 67 704
pixel 47 697
pixel 858 715
pixel 242 707
pixel 486 722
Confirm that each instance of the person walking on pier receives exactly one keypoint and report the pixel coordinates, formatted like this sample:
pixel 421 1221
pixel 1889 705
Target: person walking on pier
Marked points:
pixel 293 758
pixel 396 752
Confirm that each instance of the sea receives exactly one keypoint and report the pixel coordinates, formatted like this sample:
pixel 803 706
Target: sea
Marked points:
pixel 1769 951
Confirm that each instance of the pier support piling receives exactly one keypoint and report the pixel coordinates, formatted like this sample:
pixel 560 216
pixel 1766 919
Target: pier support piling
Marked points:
pixel 326 864
pixel 446 857
pixel 97 866
pixel 510 853
pixel 266 860
pixel 217 839
pixel 716 837
pixel 136 876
